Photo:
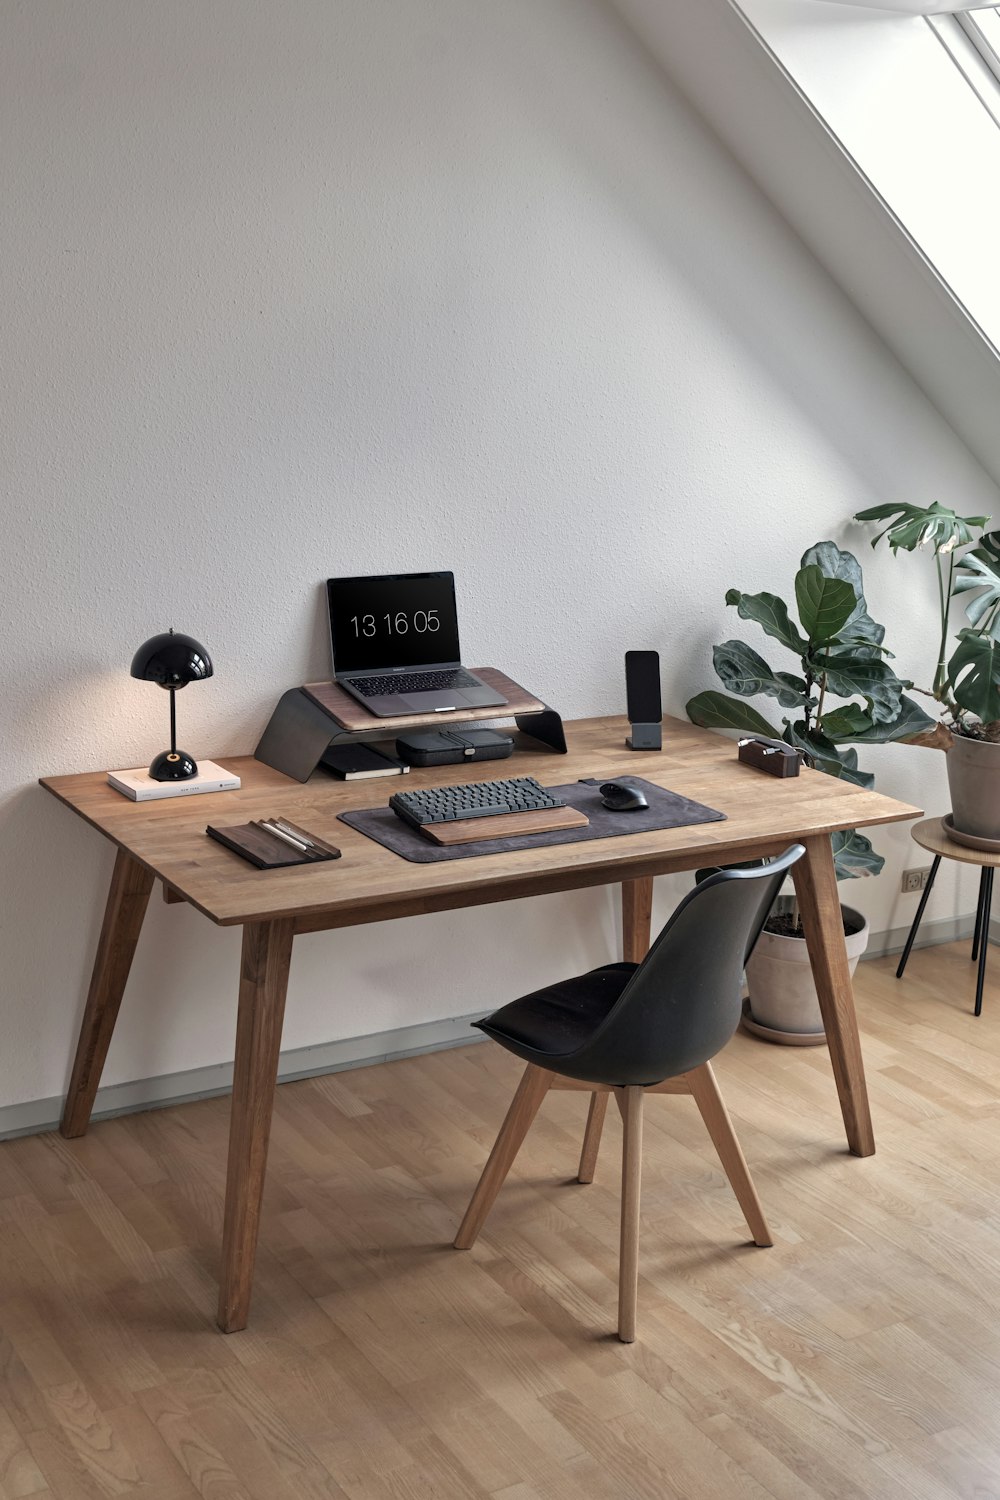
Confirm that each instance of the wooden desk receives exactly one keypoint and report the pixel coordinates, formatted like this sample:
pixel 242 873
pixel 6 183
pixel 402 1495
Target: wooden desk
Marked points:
pixel 166 839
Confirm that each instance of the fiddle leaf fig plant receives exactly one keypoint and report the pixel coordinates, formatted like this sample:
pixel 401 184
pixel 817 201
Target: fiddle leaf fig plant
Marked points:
pixel 840 657
pixel 966 685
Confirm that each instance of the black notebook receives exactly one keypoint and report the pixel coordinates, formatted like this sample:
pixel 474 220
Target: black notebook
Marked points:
pixel 357 762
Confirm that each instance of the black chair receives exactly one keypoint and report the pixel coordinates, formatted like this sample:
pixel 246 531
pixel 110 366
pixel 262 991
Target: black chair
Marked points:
pixel 635 1029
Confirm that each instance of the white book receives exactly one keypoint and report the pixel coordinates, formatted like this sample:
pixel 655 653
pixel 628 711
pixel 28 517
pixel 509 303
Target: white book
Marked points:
pixel 141 787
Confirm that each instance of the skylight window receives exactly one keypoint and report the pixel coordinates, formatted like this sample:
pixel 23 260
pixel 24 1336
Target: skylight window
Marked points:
pixel 982 27
pixel 972 39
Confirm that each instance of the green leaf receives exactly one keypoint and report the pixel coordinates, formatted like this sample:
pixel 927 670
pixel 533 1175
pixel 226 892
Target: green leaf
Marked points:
pixel 979 572
pixel 824 756
pixel 918 524
pixel 825 604
pixel 715 711
pixel 848 722
pixel 865 677
pixel 853 855
pixel 974 671
pixel 910 720
pixel 771 613
pixel 860 645
pixel 860 627
pixel 746 673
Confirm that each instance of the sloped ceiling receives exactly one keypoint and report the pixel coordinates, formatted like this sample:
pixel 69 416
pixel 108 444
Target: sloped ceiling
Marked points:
pixel 713 55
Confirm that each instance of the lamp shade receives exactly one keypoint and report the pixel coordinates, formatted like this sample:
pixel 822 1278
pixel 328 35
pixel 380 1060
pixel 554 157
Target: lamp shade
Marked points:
pixel 171 660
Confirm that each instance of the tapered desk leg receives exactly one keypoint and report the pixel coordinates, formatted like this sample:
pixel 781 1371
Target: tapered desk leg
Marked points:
pixel 128 897
pixel 267 952
pixel 637 915
pixel 819 904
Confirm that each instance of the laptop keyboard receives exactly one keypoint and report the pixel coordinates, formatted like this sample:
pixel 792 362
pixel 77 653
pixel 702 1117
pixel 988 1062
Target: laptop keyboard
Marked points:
pixel 413 682
pixel 477 799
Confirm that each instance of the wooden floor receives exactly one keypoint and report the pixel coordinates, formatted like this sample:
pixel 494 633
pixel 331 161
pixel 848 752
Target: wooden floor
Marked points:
pixel 859 1357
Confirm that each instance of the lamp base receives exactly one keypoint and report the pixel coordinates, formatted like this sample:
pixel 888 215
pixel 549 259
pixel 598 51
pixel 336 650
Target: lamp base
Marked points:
pixel 173 765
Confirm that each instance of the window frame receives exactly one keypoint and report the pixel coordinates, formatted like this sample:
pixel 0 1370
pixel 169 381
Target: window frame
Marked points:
pixel 974 50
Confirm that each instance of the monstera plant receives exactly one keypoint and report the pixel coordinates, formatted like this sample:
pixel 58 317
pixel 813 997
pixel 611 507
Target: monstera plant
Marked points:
pixel 842 693
pixel 966 684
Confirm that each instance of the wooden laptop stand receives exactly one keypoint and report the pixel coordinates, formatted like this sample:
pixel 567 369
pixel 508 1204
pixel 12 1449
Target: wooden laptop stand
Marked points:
pixel 309 719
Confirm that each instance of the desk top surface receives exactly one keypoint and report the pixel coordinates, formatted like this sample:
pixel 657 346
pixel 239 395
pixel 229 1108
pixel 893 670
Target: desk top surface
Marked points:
pixel 369 883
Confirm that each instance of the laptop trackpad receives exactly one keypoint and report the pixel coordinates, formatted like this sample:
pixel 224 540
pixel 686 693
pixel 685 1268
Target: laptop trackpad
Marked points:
pixel 423 703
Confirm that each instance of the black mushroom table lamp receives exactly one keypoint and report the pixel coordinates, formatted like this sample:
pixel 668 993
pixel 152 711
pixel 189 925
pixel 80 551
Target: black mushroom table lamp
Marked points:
pixel 172 661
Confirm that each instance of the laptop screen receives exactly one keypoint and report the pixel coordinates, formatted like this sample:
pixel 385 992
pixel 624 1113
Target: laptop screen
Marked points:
pixel 395 620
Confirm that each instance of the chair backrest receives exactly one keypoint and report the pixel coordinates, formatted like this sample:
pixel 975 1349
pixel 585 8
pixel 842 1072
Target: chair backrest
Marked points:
pixel 682 1004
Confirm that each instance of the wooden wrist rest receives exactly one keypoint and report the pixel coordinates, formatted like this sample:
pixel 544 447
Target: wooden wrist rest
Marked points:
pixel 504 825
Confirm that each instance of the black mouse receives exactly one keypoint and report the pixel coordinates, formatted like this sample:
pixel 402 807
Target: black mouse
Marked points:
pixel 620 796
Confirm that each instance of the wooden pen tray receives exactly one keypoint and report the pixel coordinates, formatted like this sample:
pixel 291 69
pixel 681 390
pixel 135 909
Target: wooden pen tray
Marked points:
pixel 265 850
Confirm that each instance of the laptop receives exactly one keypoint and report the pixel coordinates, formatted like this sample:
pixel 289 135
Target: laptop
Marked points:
pixel 395 645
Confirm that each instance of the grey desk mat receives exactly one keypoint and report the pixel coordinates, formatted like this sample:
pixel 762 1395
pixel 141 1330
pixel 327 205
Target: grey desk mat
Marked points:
pixel 665 810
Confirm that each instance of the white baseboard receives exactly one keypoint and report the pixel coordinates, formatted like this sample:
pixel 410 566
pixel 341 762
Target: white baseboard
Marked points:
pixel 38 1115
pixel 944 930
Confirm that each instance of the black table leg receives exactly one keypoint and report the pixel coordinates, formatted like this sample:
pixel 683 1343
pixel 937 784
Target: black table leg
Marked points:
pixel 979 914
pixel 984 937
pixel 916 920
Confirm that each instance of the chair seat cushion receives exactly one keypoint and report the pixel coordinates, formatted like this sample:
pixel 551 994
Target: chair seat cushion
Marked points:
pixel 562 1017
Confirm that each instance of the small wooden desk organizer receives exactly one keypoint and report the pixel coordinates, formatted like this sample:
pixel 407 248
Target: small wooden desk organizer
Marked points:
pixel 308 719
pixel 772 756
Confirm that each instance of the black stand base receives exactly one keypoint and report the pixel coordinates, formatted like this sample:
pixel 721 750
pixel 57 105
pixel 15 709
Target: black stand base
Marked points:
pixel 173 765
pixel 300 730
pixel 980 936
pixel 645 737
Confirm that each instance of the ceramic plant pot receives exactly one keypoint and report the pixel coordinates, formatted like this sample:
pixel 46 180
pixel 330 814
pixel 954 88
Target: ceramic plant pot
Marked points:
pixel 782 993
pixel 974 779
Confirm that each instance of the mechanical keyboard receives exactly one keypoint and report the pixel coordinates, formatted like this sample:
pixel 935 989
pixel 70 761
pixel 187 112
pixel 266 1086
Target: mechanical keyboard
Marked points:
pixel 413 682
pixel 477 799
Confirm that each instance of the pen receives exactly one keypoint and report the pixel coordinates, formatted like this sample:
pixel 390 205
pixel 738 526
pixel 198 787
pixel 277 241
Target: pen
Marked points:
pixel 314 842
pixel 285 837
pixel 280 826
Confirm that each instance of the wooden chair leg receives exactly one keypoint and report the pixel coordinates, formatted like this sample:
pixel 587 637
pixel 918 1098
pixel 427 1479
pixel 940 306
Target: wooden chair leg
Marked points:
pixel 630 1100
pixel 592 1137
pixel 128 898
pixel 532 1089
pixel 267 953
pixel 720 1127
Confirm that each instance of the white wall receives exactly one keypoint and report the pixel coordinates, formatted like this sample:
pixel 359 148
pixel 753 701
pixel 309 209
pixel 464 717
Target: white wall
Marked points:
pixel 292 289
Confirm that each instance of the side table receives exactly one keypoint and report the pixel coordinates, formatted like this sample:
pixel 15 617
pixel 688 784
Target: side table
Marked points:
pixel 931 834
